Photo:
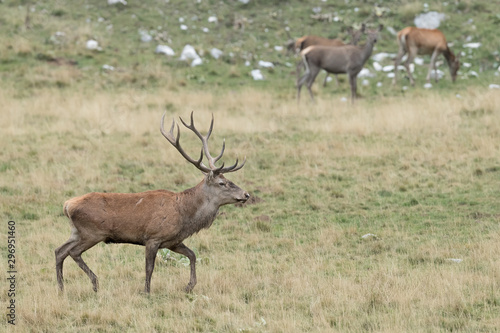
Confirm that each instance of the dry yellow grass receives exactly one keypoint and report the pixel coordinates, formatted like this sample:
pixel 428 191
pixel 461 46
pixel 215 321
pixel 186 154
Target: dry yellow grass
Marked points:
pixel 289 263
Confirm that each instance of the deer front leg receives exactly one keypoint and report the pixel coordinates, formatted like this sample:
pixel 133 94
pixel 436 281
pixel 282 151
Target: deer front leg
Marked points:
pixel 184 250
pixel 432 65
pixel 354 86
pixel 151 250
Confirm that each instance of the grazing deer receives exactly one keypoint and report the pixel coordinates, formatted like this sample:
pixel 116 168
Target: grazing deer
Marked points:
pixel 347 59
pixel 415 41
pixel 155 219
pixel 306 41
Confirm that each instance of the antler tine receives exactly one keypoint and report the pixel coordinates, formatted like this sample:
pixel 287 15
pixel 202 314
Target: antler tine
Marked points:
pixel 204 140
pixel 222 151
pixel 234 167
pixel 176 143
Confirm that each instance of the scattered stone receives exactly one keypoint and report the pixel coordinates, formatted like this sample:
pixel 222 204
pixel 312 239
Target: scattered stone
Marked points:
pixel 164 49
pixel 257 75
pixel 430 20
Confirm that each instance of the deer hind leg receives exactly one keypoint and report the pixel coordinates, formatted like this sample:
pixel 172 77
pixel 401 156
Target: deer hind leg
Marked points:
pixel 184 250
pixel 303 78
pixel 151 251
pixel 76 251
pixel 313 73
pixel 409 60
pixel 61 253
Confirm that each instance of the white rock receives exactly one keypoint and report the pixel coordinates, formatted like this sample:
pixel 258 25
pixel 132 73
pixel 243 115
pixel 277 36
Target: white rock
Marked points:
pixel 427 85
pixel 379 84
pixel 189 53
pixel 196 62
pixel 392 31
pixel 473 73
pixel 343 99
pixel 114 2
pixel 164 49
pixel 472 45
pixel 216 53
pixel 247 63
pixel 108 67
pixel 181 19
pixel 365 72
pixel 92 45
pixel 419 61
pixel 466 65
pixel 381 56
pixel 365 82
pixel 316 10
pixel 388 68
pixel 278 48
pixel 439 74
pixel 145 36
pixel 378 67
pixel 205 29
pixel 430 20
pixel 391 75
pixel 368 235
pixel 184 27
pixel 455 260
pixel 257 75
pixel 212 19
pixel 244 1
pixel 265 64
pixel 494 86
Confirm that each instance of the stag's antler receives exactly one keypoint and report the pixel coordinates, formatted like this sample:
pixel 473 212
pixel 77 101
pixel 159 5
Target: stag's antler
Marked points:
pixel 204 140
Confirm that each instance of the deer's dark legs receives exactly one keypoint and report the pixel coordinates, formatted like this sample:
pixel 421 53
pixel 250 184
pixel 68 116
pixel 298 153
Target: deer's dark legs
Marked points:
pixel 184 250
pixel 151 250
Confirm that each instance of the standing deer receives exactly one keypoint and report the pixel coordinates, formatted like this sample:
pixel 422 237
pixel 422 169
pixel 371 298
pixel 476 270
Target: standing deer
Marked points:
pixel 415 41
pixel 347 59
pixel 155 219
pixel 306 41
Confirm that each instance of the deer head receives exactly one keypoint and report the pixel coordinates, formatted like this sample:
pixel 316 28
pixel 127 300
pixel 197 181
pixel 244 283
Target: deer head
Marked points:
pixel 217 186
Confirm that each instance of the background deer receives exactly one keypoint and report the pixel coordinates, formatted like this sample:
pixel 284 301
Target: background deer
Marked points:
pixel 347 59
pixel 155 219
pixel 415 41
pixel 306 41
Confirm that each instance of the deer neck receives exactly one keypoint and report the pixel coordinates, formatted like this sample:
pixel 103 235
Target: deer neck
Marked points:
pixel 366 50
pixel 197 207
pixel 449 56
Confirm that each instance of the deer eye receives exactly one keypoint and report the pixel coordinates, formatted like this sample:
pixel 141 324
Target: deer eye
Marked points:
pixel 222 184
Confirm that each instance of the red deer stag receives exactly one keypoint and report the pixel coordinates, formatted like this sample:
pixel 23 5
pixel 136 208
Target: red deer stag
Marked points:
pixel 415 41
pixel 347 59
pixel 155 219
pixel 306 41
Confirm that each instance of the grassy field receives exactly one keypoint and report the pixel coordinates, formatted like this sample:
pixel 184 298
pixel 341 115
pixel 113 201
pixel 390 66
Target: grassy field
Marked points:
pixel 421 174
pixel 378 216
